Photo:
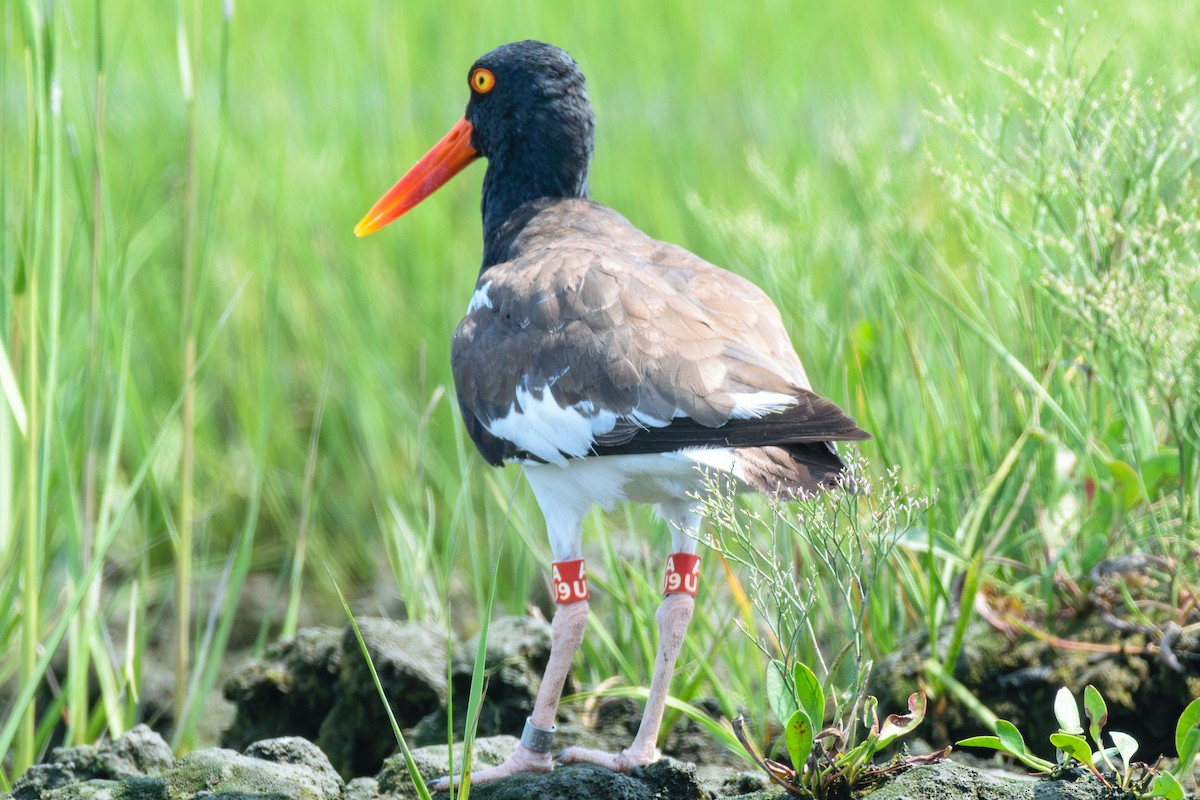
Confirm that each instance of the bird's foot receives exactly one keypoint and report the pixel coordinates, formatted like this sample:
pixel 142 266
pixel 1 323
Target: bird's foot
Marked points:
pixel 623 761
pixel 522 760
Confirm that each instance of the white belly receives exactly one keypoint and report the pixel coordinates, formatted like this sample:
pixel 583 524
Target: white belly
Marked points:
pixel 667 480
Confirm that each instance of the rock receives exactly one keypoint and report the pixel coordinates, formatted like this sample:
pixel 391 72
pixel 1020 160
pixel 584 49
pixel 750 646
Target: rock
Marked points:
pixel 295 769
pixel 517 652
pixel 410 658
pixel 1019 681
pixel 665 780
pixel 301 753
pixel 283 769
pixel 145 789
pixel 724 782
pixel 948 781
pixel 288 692
pixel 138 752
pixel 361 789
pixel 689 741
pixel 318 686
pixel 433 762
pixel 672 779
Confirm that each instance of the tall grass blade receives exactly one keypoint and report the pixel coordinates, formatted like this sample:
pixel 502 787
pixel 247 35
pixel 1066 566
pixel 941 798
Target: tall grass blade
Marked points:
pixel 188 44
pixel 292 614
pixel 413 773
pixel 11 393
pixel 479 668
pixel 222 615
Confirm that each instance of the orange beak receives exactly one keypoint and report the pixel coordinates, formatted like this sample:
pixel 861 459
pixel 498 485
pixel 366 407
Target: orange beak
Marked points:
pixel 445 160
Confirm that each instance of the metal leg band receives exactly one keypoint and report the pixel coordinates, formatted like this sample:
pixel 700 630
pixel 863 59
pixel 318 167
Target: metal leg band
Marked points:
pixel 537 740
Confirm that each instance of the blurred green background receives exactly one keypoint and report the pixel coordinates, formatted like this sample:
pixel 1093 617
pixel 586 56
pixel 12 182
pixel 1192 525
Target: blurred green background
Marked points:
pixel 787 141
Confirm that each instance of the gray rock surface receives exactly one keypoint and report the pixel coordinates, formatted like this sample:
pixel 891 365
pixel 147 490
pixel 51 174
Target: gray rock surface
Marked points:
pixel 281 769
pixel 138 752
pixel 433 762
pixel 138 767
pixel 517 652
pixel 410 658
pixel 1019 681
pixel 665 780
pixel 318 686
pixel 949 780
pixel 323 672
pixel 668 779
pixel 288 692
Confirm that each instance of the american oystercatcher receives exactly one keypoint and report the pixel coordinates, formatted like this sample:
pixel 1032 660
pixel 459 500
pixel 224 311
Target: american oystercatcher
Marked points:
pixel 609 365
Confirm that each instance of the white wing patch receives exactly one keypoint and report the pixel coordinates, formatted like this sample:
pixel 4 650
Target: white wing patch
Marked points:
pixel 646 421
pixel 752 405
pixel 481 298
pixel 543 427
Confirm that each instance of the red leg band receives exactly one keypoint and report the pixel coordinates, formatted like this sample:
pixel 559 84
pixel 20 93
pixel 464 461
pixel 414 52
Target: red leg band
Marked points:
pixel 570 581
pixel 683 574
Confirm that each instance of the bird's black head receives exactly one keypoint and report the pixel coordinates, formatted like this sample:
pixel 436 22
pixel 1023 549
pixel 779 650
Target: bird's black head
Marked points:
pixel 530 96
pixel 531 119
pixel 529 116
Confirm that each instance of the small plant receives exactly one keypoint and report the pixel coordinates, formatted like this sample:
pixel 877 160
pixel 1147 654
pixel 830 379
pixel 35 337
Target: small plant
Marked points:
pixel 841 540
pixel 1073 748
pixel 827 762
pixel 1169 784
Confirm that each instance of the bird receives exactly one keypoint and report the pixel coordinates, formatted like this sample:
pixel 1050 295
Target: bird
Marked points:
pixel 611 366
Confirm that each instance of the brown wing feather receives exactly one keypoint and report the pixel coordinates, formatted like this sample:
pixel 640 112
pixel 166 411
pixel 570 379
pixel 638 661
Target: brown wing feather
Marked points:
pixel 613 322
pixel 792 471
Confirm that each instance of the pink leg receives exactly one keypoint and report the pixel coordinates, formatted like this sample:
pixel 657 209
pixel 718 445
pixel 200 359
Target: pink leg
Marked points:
pixel 566 633
pixel 673 617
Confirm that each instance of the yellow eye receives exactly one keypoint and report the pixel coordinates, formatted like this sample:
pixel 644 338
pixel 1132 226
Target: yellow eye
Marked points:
pixel 482 80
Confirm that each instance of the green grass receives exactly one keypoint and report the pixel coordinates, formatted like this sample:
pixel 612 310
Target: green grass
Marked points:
pixel 879 167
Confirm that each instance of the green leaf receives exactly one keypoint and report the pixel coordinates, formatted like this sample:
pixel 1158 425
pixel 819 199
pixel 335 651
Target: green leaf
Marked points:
pixel 1067 711
pixel 1160 473
pixel 990 742
pixel 1128 486
pixel 1014 743
pixel 779 695
pixel 1165 785
pixel 1097 712
pixel 798 733
pixel 1012 739
pixel 917 539
pixel 1075 746
pixel 863 338
pixel 1188 725
pixel 869 716
pixel 1187 752
pixel 1115 433
pixel 1127 746
pixel 808 693
pixel 897 725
